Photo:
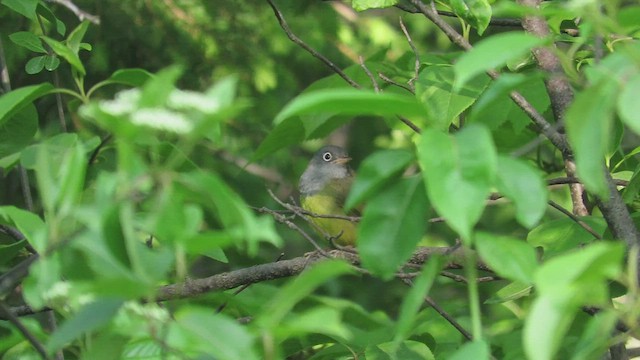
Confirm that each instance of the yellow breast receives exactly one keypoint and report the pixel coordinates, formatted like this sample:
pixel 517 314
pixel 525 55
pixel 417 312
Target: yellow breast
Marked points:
pixel 343 231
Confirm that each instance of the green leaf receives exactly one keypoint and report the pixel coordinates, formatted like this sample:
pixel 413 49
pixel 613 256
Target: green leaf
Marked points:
pixel 628 104
pixel 476 12
pixel 352 102
pixel 508 257
pixel 28 223
pixel 16 100
pixel 494 107
pixel 28 40
pixel 392 225
pixel 458 172
pixel 595 338
pixel 319 320
pixel 35 65
pixel 589 122
pixel 545 327
pixel 18 131
pixel 477 350
pixel 287 133
pixel 75 37
pixel 51 62
pixel 156 91
pixel 415 298
pixel 200 329
pixel 66 53
pixel 443 102
pixel 361 5
pixel 493 52
pixel 563 234
pixel 522 183
pixel 581 272
pixel 45 12
pixel 375 172
pixel 513 291
pixel 407 350
pixel 89 318
pixel 26 8
pixel 8 252
pixel 299 288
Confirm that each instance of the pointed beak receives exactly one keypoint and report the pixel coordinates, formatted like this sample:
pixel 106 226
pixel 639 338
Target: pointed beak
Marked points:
pixel 342 160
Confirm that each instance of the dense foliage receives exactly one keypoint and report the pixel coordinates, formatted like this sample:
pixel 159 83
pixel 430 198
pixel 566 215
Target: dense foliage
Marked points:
pixel 149 163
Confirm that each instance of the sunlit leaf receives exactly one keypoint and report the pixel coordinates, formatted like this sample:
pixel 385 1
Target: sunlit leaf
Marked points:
pixel 493 52
pixel 459 172
pixel 508 257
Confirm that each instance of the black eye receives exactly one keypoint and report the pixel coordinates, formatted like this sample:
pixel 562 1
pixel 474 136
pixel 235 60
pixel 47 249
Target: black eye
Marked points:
pixel 327 156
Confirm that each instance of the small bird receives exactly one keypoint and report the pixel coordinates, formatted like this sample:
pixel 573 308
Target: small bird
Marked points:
pixel 324 186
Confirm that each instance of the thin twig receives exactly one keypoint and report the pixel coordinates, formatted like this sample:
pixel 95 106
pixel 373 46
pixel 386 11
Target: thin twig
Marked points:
pixel 376 88
pixel 96 151
pixel 309 49
pixel 82 15
pixel 445 315
pixel 387 79
pixel 576 219
pixel 411 81
pixel 5 312
pixel 460 278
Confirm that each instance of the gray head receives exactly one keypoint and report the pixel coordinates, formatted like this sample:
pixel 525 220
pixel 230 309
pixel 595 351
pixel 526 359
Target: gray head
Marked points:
pixel 328 163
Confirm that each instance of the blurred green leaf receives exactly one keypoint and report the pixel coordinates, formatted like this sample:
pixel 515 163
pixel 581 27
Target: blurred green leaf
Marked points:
pixel 377 170
pixel 508 257
pixel 44 274
pixel 297 289
pixel 443 102
pixel 352 102
pixel 477 350
pixel 361 5
pixel 459 172
pixel 589 121
pixel 415 299
pixel 28 40
pixel 594 340
pixel 320 320
pixel 513 291
pixel 521 183
pixel 28 223
pixel 392 225
pixel 131 77
pixel 407 350
pixel 26 8
pixel 89 318
pixel 16 100
pixel 18 131
pixel 493 52
pixel 628 104
pixel 582 273
pixel 545 327
pixel 158 88
pixel 287 133
pixel 475 12
pixel 201 330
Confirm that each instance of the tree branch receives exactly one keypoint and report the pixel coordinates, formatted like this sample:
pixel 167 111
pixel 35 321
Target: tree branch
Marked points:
pixel 81 14
pixel 5 312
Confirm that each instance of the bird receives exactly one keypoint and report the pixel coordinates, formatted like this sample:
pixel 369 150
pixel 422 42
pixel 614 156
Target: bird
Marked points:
pixel 324 186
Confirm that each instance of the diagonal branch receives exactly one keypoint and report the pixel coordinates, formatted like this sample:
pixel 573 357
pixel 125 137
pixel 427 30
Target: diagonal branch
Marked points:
pixel 293 37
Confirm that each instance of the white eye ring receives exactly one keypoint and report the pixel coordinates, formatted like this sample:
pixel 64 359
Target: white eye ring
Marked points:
pixel 327 156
